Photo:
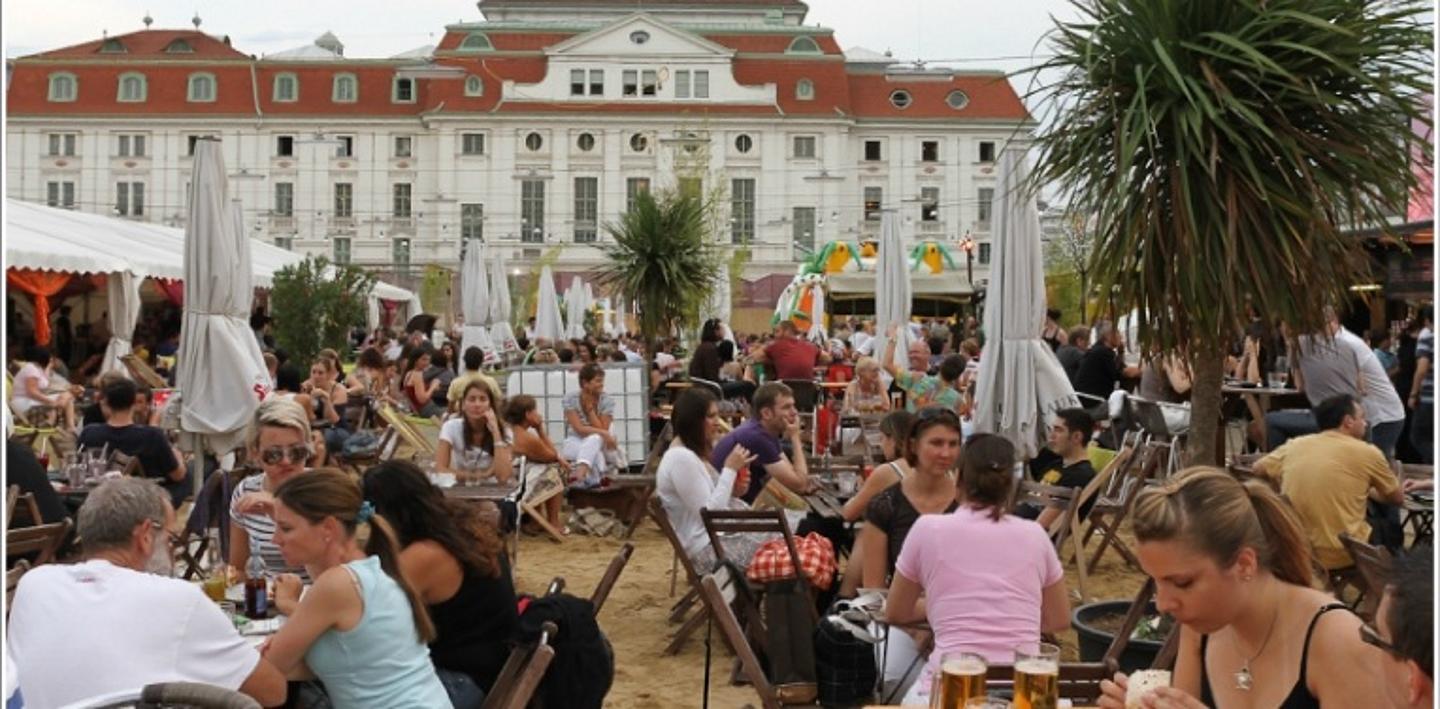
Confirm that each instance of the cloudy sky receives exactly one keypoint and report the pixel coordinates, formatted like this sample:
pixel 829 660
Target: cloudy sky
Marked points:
pixel 977 33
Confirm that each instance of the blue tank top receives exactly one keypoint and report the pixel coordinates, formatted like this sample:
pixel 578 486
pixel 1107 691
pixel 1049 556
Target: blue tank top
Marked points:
pixel 381 661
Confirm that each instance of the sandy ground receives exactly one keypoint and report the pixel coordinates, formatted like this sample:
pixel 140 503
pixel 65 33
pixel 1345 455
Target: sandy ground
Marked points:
pixel 634 617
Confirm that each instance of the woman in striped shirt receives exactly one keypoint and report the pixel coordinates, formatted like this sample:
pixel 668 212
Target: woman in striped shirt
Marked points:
pixel 279 439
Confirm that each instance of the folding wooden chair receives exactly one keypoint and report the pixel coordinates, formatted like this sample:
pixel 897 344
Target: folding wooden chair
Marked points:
pixel 1140 607
pixel 43 540
pixel 405 432
pixel 720 522
pixel 1065 527
pixel 682 607
pixel 1113 503
pixel 12 579
pixel 1373 566
pixel 1079 681
pixel 515 687
pixel 12 496
pixel 612 575
pixel 718 592
pixel 141 372
pixel 23 511
pixel 533 499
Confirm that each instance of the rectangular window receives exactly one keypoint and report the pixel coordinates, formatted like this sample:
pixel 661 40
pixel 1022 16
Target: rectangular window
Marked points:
pixel 285 242
pixel 130 199
pixel 929 204
pixel 682 84
pixel 403 145
pixel 987 151
pixel 192 141
pixel 803 236
pixel 649 82
pixel 702 84
pixel 873 198
pixel 633 187
pixel 60 194
pixel 344 200
pixel 122 147
pixel 804 146
pixel 62 144
pixel 577 82
pixel 691 187
pixel 404 90
pixel 587 208
pixel 872 150
pixel 472 222
pixel 742 210
pixel 597 82
pixel 532 211
pixel 985 253
pixel 630 82
pixel 346 147
pixel 284 199
pixel 929 151
pixel 400 208
pixel 285 146
pixel 472 144
pixel 985 195
pixel 342 250
pixel 400 253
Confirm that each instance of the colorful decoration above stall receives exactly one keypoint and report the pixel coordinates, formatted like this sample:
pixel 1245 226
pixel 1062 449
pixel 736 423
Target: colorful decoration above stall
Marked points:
pixel 869 250
pixel 932 255
pixel 835 257
pixel 803 303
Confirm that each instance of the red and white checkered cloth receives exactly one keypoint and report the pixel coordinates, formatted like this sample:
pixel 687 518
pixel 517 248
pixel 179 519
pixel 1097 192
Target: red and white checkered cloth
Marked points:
pixel 817 558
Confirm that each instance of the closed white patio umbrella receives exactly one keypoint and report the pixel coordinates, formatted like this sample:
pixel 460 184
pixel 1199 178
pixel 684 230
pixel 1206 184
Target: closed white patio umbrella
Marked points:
pixel 1020 383
pixel 123 289
pixel 501 333
pixel 547 312
pixel 221 374
pixel 475 301
pixel 892 290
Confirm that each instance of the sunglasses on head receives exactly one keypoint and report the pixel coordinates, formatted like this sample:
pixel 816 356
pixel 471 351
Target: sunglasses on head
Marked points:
pixel 295 454
pixel 1370 636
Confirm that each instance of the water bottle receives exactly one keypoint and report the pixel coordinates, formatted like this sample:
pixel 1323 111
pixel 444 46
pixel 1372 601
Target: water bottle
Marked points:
pixel 256 601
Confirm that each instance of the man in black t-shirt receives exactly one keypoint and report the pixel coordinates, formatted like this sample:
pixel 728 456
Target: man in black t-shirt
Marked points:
pixel 120 432
pixel 1100 368
pixel 1070 440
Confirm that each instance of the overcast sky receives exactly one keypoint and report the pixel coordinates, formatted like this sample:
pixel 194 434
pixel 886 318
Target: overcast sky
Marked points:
pixel 978 32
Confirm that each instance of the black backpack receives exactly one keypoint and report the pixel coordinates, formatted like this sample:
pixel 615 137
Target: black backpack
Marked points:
pixel 845 670
pixel 584 666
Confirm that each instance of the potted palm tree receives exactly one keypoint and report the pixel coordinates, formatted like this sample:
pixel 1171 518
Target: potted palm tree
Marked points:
pixel 1225 151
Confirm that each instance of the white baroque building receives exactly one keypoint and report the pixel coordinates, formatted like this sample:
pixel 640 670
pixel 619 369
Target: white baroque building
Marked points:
pixel 529 130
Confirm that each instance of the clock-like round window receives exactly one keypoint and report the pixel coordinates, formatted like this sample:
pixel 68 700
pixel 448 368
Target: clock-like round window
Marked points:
pixel 639 36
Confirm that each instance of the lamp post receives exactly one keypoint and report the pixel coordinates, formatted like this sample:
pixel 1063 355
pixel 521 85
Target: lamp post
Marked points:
pixel 967 244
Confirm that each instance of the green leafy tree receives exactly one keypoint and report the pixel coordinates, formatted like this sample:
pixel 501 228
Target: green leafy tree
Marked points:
pixel 664 261
pixel 314 304
pixel 1226 149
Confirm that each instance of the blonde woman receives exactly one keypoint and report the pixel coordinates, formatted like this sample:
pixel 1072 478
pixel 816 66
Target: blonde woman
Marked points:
pixel 866 395
pixel 279 440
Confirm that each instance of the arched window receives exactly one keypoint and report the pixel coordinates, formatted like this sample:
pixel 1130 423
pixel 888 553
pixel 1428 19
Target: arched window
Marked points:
pixel 474 86
pixel 287 88
pixel 179 46
pixel 344 89
pixel 476 42
pixel 803 45
pixel 113 46
pixel 132 88
pixel 62 86
pixel 201 88
pixel 805 90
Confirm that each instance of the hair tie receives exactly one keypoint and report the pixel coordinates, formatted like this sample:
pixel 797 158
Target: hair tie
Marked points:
pixel 367 511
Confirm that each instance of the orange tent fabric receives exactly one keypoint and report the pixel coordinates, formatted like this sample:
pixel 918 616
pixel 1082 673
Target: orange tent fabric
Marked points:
pixel 40 285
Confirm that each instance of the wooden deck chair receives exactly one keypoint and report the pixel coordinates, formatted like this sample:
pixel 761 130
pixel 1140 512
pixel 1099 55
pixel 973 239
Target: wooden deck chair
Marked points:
pixel 12 496
pixel 1141 606
pixel 719 522
pixel 515 686
pixel 533 499
pixel 141 372
pixel 718 592
pixel 681 608
pixel 12 579
pixel 1113 503
pixel 406 432
pixel 24 511
pixel 612 575
pixel 1066 526
pixel 1373 564
pixel 42 540
pixel 1079 681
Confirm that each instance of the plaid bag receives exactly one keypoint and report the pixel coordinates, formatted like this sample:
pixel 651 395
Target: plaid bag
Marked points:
pixel 772 561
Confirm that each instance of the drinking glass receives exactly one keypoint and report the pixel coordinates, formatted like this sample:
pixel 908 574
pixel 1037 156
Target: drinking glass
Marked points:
pixel 846 482
pixel 988 703
pixel 1037 676
pixel 961 679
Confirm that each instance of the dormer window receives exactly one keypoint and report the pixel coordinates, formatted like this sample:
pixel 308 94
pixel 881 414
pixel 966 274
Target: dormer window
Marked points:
pixel 476 42
pixel 474 86
pixel 900 99
pixel 179 46
pixel 113 46
pixel 201 88
pixel 287 88
pixel 403 90
pixel 804 45
pixel 805 90
pixel 344 89
pixel 131 88
pixel 62 86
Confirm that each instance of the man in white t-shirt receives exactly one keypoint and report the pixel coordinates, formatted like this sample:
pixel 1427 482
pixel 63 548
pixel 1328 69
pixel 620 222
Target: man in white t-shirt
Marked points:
pixel 111 624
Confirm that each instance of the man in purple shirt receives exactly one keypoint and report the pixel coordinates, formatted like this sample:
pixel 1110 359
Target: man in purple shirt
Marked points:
pixel 774 415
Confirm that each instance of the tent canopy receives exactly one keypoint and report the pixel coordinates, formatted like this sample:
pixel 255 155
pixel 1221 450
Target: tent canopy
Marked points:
pixel 51 239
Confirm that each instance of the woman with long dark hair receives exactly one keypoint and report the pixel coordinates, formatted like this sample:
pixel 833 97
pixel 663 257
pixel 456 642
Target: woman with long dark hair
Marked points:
pixel 362 628
pixel 474 443
pixel 542 456
pixel 418 394
pixel 457 564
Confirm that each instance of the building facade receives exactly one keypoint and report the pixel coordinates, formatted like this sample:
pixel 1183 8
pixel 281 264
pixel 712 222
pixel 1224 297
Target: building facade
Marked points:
pixel 529 130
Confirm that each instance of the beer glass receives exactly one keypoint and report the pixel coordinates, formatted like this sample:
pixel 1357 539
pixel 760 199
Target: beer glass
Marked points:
pixel 1037 676
pixel 987 703
pixel 960 679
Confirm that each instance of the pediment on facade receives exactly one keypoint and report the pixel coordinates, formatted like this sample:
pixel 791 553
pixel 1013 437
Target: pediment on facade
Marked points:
pixel 638 35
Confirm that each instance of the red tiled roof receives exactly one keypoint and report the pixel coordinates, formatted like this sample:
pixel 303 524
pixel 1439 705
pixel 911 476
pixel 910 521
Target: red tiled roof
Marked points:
pixel 166 88
pixel 832 89
pixel 991 97
pixel 642 4
pixel 317 85
pixel 508 41
pixel 621 107
pixel 150 44
pixel 771 43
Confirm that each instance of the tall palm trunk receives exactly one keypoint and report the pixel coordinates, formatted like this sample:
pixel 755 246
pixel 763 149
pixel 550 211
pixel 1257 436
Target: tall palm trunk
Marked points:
pixel 1207 373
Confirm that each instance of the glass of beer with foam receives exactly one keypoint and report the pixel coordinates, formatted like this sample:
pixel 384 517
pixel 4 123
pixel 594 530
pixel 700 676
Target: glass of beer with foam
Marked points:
pixel 1037 676
pixel 960 679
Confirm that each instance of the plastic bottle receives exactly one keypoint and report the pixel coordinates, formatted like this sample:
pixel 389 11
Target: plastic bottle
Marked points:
pixel 256 600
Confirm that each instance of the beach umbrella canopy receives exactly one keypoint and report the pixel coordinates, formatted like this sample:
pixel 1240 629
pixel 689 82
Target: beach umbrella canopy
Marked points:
pixel 124 291
pixel 475 301
pixel 501 333
pixel 547 311
pixel 892 290
pixel 1020 383
pixel 221 376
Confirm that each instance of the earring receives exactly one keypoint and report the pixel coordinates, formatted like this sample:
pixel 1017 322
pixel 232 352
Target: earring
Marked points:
pixel 1247 578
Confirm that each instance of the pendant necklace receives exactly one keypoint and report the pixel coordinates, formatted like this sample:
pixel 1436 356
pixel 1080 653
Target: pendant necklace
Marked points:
pixel 1244 681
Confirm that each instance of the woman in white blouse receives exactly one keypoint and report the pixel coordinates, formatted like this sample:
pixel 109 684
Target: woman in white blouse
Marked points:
pixel 474 444
pixel 687 483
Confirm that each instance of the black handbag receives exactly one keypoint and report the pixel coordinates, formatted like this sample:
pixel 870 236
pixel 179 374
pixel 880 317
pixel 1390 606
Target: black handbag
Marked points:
pixel 845 669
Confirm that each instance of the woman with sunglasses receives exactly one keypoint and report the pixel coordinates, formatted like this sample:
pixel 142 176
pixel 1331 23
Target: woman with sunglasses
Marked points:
pixel 457 565
pixel 475 443
pixel 278 439
pixel 1002 590
pixel 1232 565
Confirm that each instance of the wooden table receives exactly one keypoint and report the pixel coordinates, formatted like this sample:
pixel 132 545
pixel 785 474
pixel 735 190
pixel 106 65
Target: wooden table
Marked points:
pixel 626 496
pixel 484 491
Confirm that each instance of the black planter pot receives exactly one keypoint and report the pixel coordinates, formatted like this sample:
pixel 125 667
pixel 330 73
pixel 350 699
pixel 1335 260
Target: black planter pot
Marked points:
pixel 1138 654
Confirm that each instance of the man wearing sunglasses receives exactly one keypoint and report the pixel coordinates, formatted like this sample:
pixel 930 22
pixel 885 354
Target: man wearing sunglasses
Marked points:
pixel 1404 628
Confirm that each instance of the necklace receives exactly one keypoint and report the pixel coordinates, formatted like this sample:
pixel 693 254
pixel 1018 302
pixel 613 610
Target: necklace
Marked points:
pixel 1244 681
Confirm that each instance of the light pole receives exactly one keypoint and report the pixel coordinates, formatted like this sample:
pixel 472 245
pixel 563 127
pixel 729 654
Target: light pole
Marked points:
pixel 967 244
